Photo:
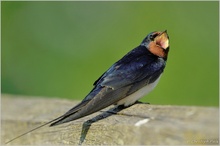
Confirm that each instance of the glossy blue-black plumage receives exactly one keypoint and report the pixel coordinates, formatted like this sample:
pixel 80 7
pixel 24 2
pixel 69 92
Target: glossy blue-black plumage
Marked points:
pixel 135 70
pixel 133 67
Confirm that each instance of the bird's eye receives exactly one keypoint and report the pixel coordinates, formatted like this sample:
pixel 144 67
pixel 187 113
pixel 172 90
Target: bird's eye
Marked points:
pixel 151 37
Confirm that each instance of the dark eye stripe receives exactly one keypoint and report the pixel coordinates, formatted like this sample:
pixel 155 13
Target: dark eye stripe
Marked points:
pixel 153 36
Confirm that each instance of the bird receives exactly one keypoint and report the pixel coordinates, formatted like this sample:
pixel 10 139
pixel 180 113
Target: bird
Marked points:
pixel 125 82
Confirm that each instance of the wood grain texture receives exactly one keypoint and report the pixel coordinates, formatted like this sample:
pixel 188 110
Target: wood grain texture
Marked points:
pixel 140 124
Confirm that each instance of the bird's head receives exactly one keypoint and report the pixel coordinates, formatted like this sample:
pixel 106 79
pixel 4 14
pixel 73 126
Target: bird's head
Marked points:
pixel 157 43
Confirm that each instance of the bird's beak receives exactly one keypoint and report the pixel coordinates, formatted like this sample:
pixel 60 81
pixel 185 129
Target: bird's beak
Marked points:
pixel 162 40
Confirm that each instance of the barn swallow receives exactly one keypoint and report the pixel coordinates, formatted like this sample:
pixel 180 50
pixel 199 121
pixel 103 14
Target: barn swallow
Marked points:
pixel 126 81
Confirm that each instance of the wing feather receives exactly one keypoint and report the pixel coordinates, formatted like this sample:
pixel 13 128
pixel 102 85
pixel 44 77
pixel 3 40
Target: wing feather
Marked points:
pixel 123 78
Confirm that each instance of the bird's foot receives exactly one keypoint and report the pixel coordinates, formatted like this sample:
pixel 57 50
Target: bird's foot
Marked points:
pixel 140 102
pixel 118 108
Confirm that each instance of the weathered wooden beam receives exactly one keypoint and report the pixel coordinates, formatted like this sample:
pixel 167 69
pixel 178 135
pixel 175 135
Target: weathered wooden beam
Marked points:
pixel 140 124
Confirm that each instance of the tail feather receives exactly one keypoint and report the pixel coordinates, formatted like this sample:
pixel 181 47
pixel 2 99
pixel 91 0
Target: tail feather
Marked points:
pixel 56 121
pixel 36 128
pixel 66 117
pixel 62 120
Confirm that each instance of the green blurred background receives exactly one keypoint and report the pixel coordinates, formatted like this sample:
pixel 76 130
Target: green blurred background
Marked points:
pixel 58 49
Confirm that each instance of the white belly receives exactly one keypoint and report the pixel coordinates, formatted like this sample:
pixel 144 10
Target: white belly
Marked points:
pixel 138 94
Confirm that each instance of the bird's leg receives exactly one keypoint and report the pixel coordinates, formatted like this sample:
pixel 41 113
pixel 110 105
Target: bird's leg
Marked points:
pixel 116 109
pixel 140 102
pixel 121 107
